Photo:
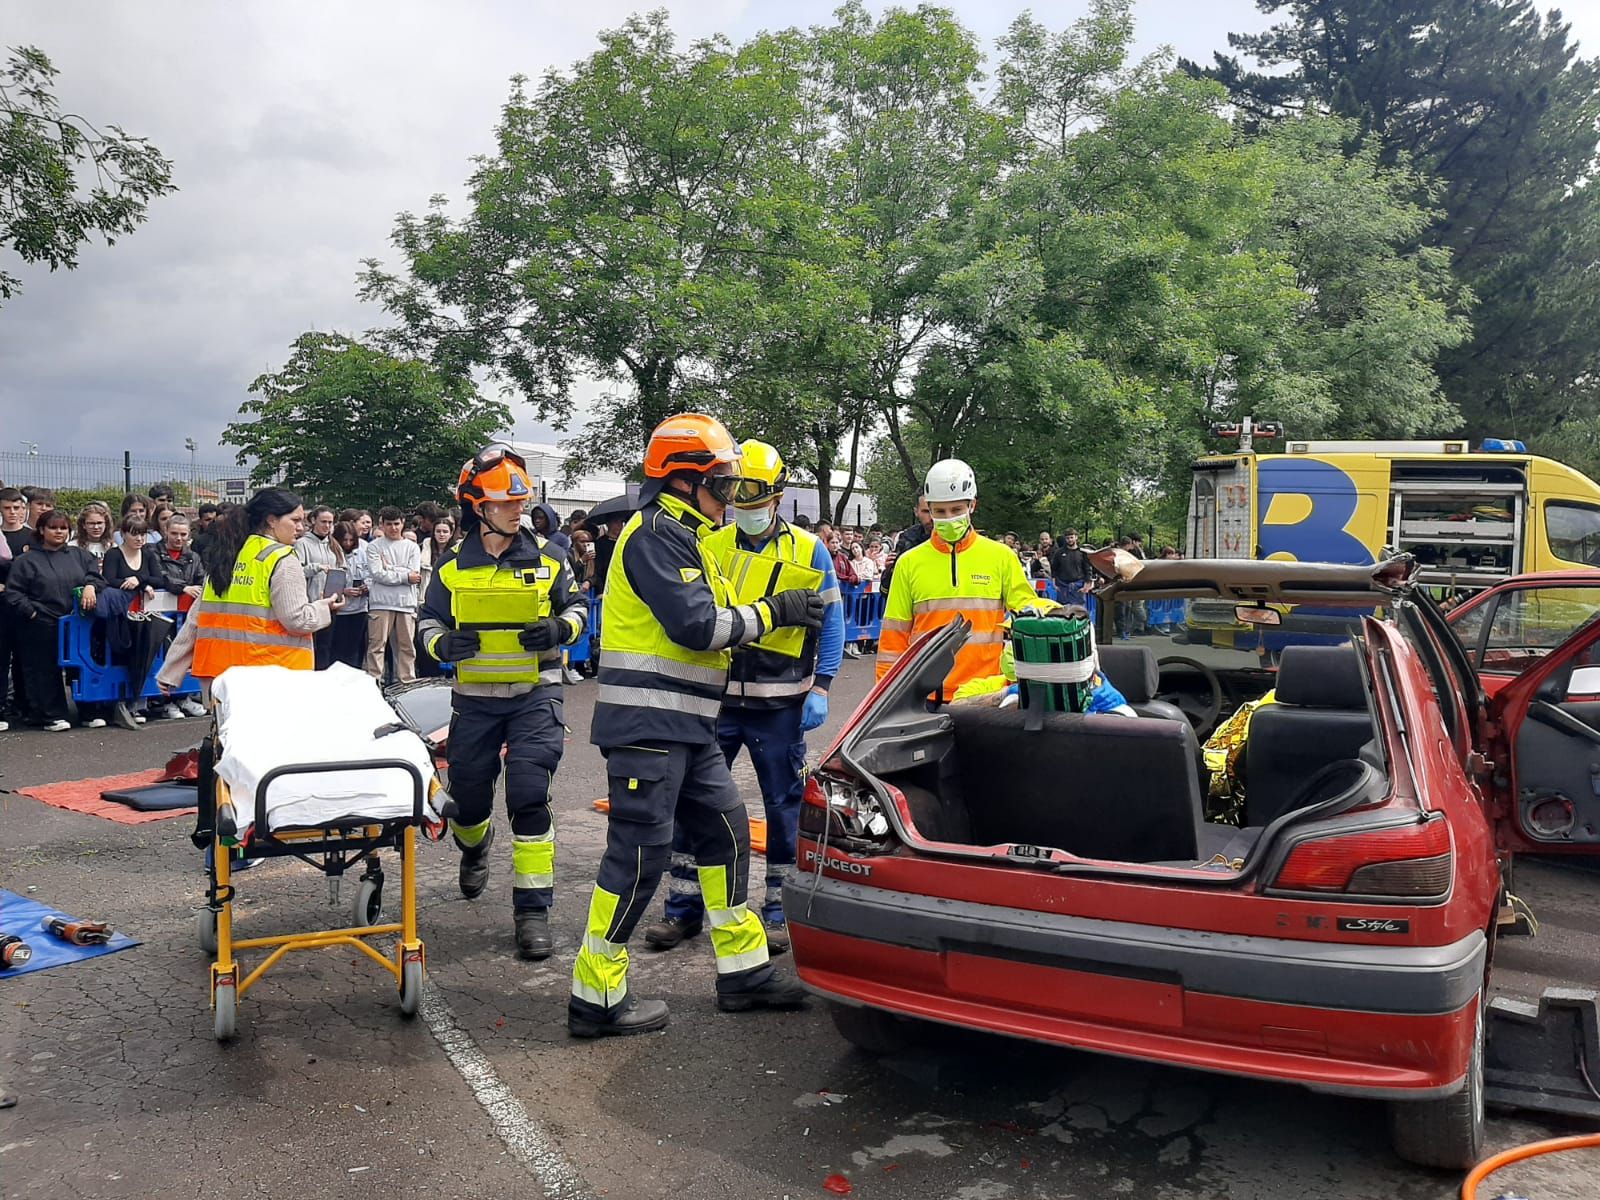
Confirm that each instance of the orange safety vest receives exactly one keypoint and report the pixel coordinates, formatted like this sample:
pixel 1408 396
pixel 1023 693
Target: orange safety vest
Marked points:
pixel 935 582
pixel 241 630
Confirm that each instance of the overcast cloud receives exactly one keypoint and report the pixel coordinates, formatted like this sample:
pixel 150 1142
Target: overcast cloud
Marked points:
pixel 297 131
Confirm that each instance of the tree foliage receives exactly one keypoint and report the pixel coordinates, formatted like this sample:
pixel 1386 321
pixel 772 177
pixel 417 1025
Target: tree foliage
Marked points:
pixel 49 204
pixel 849 241
pixel 1488 101
pixel 345 423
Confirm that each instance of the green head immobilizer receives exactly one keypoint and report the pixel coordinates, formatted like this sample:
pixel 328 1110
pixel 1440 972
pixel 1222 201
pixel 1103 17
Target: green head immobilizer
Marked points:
pixel 1055 663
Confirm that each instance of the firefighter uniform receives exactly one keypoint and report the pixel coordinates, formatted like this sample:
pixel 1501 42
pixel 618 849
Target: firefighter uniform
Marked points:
pixel 670 622
pixel 506 696
pixel 768 682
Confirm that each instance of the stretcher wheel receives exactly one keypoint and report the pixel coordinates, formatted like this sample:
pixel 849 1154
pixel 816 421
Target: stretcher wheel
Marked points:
pixel 205 925
pixel 410 988
pixel 225 1011
pixel 366 906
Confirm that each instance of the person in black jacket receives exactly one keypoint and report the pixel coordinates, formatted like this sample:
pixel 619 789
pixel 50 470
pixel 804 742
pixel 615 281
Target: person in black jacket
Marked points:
pixel 913 536
pixel 132 564
pixel 39 592
pixel 1069 564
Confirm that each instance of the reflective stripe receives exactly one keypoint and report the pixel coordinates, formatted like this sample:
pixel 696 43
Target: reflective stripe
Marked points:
pixel 797 687
pixel 519 656
pixel 889 656
pixel 234 608
pixel 639 697
pixel 550 676
pixel 754 621
pixel 722 629
pixel 986 637
pixel 533 859
pixel 256 639
pixel 470 835
pixel 629 660
pixel 959 604
pixel 600 974
pixel 595 944
pixel 729 964
pixel 268 551
pixel 894 625
pixel 831 595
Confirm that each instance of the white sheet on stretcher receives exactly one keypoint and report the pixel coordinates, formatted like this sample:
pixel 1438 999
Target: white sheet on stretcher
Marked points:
pixel 272 717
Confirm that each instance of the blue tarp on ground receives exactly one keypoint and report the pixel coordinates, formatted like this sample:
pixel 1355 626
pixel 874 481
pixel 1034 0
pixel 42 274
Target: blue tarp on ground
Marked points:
pixel 25 918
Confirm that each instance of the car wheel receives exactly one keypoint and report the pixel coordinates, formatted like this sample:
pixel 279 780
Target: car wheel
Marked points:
pixel 872 1029
pixel 1447 1132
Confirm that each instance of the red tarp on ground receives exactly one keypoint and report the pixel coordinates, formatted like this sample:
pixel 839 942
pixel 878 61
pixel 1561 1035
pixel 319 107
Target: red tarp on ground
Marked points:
pixel 83 796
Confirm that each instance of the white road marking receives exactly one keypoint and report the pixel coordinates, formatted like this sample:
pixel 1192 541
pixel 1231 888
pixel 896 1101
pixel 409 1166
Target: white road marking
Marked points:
pixel 523 1136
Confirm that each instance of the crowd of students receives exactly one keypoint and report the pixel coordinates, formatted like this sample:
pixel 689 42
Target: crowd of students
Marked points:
pixel 145 561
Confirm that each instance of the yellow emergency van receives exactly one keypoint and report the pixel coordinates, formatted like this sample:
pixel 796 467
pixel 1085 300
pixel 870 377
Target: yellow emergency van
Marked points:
pixel 1471 518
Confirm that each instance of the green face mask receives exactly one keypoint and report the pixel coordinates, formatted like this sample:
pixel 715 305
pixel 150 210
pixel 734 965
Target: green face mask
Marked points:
pixel 954 530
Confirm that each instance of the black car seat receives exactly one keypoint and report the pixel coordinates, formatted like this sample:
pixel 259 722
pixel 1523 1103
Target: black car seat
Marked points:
pixel 1134 672
pixel 1100 785
pixel 1321 717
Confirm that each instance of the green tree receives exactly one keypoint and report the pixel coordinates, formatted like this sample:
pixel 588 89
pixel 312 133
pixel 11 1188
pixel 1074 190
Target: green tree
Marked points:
pixel 646 220
pixel 1491 100
pixel 49 206
pixel 347 424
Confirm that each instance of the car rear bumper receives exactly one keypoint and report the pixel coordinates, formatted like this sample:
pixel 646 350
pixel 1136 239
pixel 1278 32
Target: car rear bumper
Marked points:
pixel 1356 1019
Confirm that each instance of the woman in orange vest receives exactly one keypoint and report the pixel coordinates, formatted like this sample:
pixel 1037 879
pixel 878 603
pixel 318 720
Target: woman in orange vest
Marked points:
pixel 251 612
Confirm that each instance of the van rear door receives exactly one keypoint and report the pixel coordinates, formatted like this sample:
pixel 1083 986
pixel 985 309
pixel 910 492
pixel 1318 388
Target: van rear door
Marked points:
pixel 1222 518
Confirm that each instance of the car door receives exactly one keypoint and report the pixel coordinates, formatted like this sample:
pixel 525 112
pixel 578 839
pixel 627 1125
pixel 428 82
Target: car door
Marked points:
pixel 1515 625
pixel 1547 777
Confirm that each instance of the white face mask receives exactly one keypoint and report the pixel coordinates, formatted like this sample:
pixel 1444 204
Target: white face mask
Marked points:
pixel 753 521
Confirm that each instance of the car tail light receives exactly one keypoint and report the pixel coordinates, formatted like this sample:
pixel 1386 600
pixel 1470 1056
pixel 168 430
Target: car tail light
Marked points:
pixel 1403 860
pixel 837 807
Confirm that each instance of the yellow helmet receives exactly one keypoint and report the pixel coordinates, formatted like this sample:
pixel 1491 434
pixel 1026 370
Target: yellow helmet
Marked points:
pixel 762 474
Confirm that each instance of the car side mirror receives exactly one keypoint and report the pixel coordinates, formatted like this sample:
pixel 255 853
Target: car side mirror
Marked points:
pixel 1556 689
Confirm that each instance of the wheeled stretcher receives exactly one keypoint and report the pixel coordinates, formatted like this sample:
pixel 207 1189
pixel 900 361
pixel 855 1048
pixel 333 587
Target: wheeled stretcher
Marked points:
pixel 315 766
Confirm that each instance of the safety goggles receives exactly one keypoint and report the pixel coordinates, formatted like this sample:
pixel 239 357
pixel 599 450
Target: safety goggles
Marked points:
pixel 723 487
pixel 491 457
pixel 748 492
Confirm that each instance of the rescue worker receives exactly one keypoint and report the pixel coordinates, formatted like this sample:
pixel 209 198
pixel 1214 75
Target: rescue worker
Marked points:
pixel 670 623
pixel 955 573
pixel 253 612
pixel 777 687
pixel 500 607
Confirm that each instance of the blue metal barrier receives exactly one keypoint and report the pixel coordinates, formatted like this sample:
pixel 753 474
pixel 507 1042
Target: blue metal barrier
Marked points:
pixel 95 678
pixel 582 650
pixel 863 610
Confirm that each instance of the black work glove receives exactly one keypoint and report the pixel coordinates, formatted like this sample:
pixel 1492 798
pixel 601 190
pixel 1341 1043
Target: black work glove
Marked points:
pixel 800 606
pixel 456 645
pixel 542 635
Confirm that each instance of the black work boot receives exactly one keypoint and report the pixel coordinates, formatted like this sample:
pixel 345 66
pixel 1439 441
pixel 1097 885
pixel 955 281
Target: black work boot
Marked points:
pixel 635 1016
pixel 669 931
pixel 475 866
pixel 778 992
pixel 777 937
pixel 533 934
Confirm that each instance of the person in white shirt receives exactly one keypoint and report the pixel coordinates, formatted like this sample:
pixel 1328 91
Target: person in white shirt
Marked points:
pixel 394 569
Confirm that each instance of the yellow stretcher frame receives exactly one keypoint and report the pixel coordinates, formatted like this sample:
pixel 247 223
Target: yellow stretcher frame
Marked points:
pixel 363 839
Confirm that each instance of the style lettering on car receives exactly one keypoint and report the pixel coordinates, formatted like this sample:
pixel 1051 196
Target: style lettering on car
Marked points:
pixel 1374 925
pixel 842 865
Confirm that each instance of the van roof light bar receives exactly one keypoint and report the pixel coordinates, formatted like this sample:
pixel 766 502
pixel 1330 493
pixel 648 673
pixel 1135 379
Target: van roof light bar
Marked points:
pixel 1246 431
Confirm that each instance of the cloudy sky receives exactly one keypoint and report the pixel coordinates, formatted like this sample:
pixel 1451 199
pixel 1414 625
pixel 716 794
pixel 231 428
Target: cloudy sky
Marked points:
pixel 298 129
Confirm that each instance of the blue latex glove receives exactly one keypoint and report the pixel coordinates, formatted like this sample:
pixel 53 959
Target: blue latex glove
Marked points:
pixel 814 713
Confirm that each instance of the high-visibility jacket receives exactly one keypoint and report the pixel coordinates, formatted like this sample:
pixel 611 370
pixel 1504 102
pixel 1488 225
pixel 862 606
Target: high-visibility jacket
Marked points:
pixel 936 582
pixel 780 667
pixel 238 628
pixel 472 589
pixel 670 624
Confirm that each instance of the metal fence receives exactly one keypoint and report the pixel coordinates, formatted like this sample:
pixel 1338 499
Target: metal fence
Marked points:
pixel 195 482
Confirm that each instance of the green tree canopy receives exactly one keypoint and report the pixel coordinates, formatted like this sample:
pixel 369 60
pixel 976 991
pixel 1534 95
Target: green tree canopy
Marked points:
pixel 346 424
pixel 1492 105
pixel 49 206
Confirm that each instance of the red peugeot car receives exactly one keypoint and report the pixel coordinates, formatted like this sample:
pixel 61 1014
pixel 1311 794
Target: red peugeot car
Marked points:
pixel 1332 926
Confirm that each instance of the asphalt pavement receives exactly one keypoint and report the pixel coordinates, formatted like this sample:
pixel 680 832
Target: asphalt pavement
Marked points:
pixel 329 1092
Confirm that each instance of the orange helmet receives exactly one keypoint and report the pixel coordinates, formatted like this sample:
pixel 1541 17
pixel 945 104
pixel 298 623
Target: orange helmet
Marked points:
pixel 688 442
pixel 496 472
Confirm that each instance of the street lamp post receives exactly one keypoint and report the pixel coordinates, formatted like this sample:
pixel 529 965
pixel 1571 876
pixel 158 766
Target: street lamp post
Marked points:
pixel 188 444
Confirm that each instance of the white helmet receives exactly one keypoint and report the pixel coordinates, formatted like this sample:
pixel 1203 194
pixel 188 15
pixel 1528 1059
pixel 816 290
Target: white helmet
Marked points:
pixel 950 479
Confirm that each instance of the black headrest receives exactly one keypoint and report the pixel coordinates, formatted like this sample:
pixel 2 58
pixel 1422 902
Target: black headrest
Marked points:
pixel 1132 670
pixel 1321 677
